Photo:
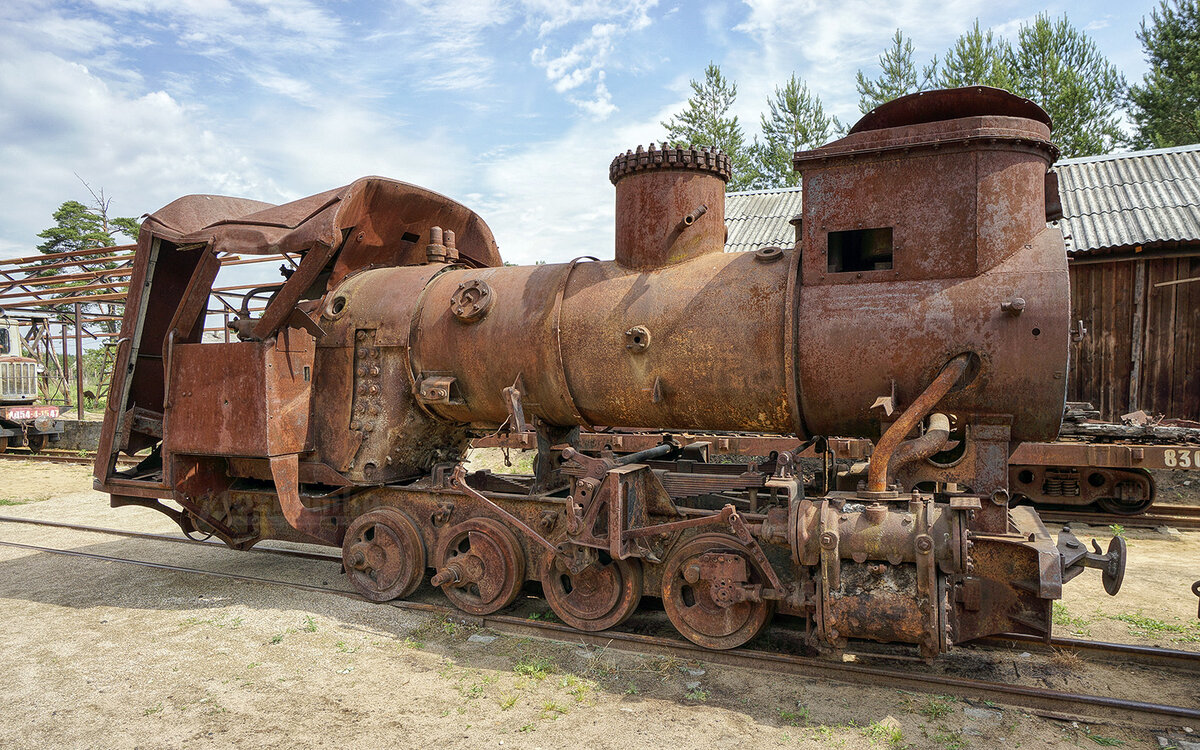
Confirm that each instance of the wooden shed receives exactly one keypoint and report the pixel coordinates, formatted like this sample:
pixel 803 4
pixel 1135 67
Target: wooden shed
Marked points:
pixel 1132 228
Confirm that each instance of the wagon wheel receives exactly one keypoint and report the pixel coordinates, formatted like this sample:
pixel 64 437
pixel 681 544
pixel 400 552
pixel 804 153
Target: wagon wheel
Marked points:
pixel 1129 499
pixel 35 442
pixel 480 566
pixel 600 597
pixel 690 603
pixel 383 554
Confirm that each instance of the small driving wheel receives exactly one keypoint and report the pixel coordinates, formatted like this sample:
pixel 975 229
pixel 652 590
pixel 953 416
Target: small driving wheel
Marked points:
pixel 601 596
pixel 705 611
pixel 384 555
pixel 480 566
pixel 35 443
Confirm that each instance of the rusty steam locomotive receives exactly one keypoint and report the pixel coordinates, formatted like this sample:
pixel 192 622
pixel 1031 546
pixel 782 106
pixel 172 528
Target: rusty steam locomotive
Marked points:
pixel 926 280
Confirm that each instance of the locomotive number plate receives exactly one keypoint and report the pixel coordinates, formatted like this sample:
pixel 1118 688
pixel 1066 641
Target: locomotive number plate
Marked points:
pixel 31 412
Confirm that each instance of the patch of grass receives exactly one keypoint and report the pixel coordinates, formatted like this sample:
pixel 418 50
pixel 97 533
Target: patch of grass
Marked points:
pixel 1148 627
pixel 578 687
pixel 596 665
pixel 534 667
pixel 155 709
pixel 1064 619
pixel 5 503
pixel 310 625
pixel 344 648
pixel 507 701
pixel 216 622
pixel 543 616
pixel 528 727
pixel 794 718
pixel 664 666
pixel 631 690
pixel 697 695
pixel 950 740
pixel 552 709
pixel 410 642
pixel 278 637
pixel 254 664
pixel 442 626
pixel 937 706
pixel 1117 529
pixel 877 732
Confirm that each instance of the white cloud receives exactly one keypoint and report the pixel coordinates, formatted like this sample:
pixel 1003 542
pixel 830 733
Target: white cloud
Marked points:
pixel 144 150
pixel 552 201
pixel 584 61
pixel 258 27
pixel 551 15
pixel 600 106
pixel 827 43
pixel 445 42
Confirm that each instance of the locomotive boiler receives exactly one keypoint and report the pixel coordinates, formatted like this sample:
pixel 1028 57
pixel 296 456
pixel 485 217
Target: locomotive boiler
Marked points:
pixel 926 291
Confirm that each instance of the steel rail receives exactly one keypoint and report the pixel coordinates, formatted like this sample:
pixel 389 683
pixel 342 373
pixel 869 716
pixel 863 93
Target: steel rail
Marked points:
pixel 169 538
pixel 1178 516
pixel 1141 655
pixel 1091 708
pixel 59 458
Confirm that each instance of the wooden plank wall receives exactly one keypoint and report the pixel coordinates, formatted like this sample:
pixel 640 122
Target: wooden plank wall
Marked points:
pixel 1141 351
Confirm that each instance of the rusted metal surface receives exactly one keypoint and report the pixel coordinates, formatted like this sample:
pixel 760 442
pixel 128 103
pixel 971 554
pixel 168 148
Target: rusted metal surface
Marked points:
pixel 704 592
pixel 881 459
pixel 383 554
pixel 670 205
pixel 343 413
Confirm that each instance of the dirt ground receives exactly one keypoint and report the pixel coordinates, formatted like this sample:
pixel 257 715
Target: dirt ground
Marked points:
pixel 101 654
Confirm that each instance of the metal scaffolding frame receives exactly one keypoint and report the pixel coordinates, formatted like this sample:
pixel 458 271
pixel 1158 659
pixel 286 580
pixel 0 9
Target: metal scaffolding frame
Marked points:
pixel 76 300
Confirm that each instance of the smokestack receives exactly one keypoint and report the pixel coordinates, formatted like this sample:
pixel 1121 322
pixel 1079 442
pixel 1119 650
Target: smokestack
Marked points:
pixel 670 204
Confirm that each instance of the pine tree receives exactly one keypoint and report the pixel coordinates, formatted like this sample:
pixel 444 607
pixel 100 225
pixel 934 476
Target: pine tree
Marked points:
pixel 899 76
pixel 705 121
pixel 76 227
pixel 978 59
pixel 797 122
pixel 1166 106
pixel 1060 68
pixel 79 227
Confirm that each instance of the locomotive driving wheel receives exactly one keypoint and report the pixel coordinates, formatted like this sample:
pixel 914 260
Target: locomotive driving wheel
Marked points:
pixel 601 596
pixel 480 566
pixel 703 597
pixel 383 554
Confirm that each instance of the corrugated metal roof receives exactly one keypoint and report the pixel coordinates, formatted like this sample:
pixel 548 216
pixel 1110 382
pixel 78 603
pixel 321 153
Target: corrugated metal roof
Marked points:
pixel 1109 202
pixel 758 218
pixel 1124 200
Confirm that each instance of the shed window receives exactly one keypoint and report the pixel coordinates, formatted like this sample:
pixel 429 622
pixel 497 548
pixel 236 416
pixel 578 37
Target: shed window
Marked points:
pixel 4 342
pixel 860 250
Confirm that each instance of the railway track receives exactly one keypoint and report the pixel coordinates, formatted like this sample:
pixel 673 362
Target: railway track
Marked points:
pixel 1176 516
pixel 1052 703
pixel 55 456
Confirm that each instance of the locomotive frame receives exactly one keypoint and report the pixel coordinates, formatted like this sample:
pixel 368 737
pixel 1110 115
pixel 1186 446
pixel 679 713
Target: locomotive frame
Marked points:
pixel 926 284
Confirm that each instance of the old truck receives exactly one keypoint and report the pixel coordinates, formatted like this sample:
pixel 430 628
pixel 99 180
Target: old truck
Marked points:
pixel 23 421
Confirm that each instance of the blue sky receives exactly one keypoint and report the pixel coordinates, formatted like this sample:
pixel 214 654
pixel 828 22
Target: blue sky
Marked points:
pixel 513 108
